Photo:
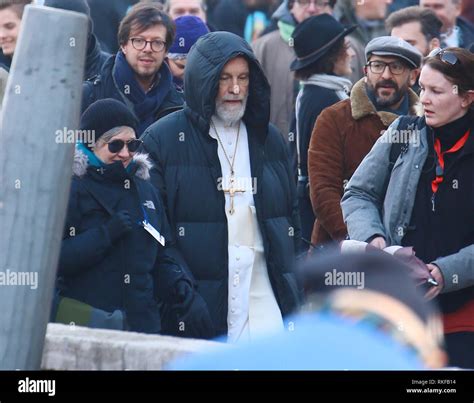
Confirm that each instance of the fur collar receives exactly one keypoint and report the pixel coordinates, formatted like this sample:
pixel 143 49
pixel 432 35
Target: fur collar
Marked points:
pixel 361 105
pixel 143 162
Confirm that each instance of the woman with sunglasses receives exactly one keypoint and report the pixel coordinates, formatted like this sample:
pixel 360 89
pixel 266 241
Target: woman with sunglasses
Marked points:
pixel 117 262
pixel 424 196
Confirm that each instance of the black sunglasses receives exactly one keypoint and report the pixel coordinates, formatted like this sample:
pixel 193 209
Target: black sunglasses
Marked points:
pixel 445 56
pixel 116 146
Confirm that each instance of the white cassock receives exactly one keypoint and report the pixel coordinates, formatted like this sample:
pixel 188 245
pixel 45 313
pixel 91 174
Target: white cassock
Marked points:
pixel 253 309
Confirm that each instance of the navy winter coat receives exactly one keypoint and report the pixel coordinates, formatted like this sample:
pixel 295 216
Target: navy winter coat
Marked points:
pixel 132 273
pixel 187 171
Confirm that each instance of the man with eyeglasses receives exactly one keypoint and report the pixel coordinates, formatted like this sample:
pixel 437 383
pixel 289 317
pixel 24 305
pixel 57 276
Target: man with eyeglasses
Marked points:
pixel 137 75
pixel 275 52
pixel 345 132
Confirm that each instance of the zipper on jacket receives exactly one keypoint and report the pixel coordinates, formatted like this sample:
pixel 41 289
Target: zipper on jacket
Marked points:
pixel 433 204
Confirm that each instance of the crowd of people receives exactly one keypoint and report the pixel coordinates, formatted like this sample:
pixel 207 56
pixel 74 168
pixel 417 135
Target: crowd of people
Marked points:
pixel 236 139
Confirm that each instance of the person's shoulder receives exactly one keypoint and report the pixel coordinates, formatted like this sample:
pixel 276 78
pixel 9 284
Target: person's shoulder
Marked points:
pixel 465 25
pixel 339 108
pixel 275 141
pixel 175 122
pixel 268 39
pixel 320 95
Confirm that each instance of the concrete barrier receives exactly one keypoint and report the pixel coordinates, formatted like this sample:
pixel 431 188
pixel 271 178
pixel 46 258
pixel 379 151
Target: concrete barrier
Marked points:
pixel 79 348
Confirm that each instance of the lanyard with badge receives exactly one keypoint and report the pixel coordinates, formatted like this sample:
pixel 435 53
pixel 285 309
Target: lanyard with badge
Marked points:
pixel 151 230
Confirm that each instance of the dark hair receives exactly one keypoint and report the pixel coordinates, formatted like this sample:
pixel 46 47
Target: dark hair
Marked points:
pixel 324 65
pixel 143 16
pixel 430 23
pixel 18 6
pixel 461 74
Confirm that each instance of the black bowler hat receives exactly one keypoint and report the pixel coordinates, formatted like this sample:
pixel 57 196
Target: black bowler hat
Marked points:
pixel 314 37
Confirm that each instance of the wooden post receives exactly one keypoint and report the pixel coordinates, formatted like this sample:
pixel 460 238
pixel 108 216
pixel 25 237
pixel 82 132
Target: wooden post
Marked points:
pixel 43 97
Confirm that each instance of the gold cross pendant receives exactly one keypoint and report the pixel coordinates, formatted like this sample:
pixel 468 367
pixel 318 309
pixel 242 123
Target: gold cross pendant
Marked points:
pixel 232 192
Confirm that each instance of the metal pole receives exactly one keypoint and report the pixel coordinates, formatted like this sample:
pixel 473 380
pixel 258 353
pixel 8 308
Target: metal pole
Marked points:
pixel 42 98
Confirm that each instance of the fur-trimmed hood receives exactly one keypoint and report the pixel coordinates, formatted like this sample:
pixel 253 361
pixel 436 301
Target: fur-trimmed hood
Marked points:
pixel 361 105
pixel 142 161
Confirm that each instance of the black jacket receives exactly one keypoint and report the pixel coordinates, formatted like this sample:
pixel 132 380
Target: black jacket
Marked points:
pixel 106 16
pixel 95 58
pixel 313 100
pixel 467 32
pixel 104 86
pixel 5 61
pixel 188 171
pixel 131 273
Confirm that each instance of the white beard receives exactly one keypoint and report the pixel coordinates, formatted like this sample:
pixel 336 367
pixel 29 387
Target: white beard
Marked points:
pixel 230 115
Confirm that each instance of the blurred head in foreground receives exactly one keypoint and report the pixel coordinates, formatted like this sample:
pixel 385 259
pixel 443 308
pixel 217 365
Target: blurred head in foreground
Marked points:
pixel 362 312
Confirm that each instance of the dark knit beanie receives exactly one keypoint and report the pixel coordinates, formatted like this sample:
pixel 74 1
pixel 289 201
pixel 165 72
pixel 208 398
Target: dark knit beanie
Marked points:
pixel 188 30
pixel 106 114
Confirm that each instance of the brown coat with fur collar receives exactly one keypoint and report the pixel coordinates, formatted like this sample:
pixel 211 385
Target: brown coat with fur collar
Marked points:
pixel 343 135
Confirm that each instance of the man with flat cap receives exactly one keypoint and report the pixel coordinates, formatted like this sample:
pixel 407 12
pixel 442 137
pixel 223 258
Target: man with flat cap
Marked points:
pixel 345 132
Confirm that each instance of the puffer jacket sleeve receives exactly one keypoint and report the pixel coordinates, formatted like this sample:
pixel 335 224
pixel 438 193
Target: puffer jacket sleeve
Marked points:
pixel 87 95
pixel 365 193
pixel 170 266
pixel 84 250
pixel 326 174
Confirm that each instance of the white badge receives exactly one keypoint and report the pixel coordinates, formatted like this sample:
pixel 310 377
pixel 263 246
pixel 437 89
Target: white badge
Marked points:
pixel 153 232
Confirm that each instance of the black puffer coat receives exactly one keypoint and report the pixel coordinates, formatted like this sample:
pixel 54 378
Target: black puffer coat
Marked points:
pixel 187 171
pixel 134 272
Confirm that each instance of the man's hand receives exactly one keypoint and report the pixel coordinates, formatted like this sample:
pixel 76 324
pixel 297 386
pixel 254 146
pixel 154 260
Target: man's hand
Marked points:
pixel 378 242
pixel 438 276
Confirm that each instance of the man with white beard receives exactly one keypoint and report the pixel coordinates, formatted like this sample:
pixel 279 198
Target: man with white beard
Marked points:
pixel 224 173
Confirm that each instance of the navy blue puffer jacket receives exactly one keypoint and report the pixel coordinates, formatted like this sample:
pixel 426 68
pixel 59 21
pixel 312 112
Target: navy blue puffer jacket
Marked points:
pixel 187 171
pixel 132 273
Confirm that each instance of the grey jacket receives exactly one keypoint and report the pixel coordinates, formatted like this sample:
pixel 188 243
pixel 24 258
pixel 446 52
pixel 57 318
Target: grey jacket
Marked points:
pixel 377 201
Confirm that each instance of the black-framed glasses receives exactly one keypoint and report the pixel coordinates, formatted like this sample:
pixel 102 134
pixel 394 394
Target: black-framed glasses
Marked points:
pixel 115 146
pixel 378 67
pixel 445 56
pixel 140 44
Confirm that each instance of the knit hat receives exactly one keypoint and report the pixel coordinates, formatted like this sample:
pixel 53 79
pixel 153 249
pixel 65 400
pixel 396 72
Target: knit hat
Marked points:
pixel 106 114
pixel 188 30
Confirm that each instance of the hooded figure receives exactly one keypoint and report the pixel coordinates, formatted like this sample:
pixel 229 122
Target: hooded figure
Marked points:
pixel 193 176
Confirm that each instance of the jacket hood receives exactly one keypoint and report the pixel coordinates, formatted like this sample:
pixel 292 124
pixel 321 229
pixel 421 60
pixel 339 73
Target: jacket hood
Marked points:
pixel 282 13
pixel 361 105
pixel 142 162
pixel 206 60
